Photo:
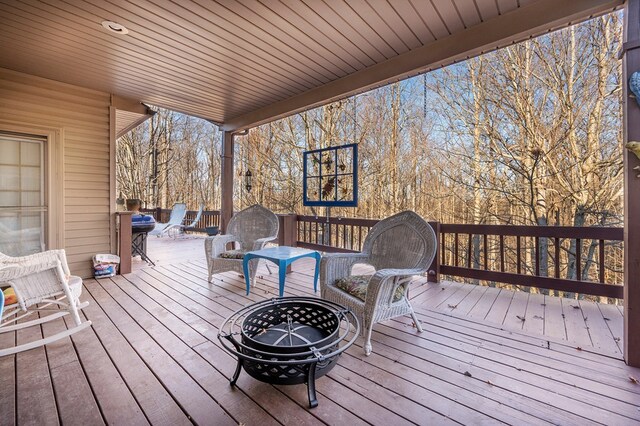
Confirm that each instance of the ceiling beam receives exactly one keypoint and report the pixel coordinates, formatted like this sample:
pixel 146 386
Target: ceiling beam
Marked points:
pixel 520 24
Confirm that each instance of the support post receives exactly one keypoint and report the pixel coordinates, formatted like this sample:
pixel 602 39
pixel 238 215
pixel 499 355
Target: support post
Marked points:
pixel 288 232
pixel 226 181
pixel 631 64
pixel 124 241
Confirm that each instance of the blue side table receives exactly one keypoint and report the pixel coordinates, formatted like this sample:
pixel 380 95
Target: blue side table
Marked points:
pixel 282 256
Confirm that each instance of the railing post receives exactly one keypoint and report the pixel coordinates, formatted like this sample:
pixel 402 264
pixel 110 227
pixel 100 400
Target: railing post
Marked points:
pixel 124 241
pixel 158 214
pixel 433 273
pixel 288 232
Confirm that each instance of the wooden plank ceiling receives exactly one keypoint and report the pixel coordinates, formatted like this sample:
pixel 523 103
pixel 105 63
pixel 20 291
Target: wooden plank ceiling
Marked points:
pixel 245 62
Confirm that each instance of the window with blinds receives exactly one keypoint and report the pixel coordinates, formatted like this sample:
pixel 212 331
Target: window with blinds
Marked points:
pixel 23 207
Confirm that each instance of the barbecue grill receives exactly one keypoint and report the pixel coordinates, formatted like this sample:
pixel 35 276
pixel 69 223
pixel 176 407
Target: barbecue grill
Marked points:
pixel 140 226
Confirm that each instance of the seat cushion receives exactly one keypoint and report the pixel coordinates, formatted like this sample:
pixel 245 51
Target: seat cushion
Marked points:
pixel 233 254
pixel 356 285
pixel 10 296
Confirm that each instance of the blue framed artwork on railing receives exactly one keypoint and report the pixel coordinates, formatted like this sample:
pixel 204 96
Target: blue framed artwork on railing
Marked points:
pixel 330 176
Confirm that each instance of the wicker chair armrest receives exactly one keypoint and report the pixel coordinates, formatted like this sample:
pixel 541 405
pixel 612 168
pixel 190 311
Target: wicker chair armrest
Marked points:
pixel 338 265
pixel 38 259
pixel 16 271
pixel 384 282
pixel 260 242
pixel 216 245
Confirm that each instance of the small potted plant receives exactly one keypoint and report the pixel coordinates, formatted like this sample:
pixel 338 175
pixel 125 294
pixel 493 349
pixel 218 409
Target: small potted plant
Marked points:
pixel 133 204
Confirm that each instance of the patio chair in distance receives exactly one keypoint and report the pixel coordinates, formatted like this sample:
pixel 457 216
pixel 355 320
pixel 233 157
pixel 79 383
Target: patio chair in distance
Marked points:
pixel 398 247
pixel 249 230
pixel 193 224
pixel 178 212
pixel 41 283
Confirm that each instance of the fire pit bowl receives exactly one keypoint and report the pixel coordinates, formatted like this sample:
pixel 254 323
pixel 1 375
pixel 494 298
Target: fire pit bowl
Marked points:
pixel 289 340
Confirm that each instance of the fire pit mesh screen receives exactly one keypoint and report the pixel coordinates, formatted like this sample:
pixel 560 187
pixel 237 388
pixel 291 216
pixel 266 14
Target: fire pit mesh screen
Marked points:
pixel 290 340
pixel 308 323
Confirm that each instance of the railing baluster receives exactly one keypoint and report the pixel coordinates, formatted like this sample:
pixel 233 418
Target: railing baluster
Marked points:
pixel 344 236
pixel 455 249
pixel 351 232
pixel 501 253
pixel 518 255
pixel 537 260
pixel 557 256
pixel 304 232
pixel 469 251
pixel 578 260
pixel 601 263
pixel 486 252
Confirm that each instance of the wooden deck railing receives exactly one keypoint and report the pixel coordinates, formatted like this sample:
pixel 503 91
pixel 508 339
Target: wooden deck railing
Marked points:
pixel 208 218
pixel 535 256
pixel 583 260
pixel 569 259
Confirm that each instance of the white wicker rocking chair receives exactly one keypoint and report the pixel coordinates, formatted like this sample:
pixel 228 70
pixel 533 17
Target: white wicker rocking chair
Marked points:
pixel 398 247
pixel 41 283
pixel 249 230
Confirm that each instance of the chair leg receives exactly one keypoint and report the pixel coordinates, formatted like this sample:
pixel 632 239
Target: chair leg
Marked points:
pixel 75 314
pixel 367 340
pixel 416 322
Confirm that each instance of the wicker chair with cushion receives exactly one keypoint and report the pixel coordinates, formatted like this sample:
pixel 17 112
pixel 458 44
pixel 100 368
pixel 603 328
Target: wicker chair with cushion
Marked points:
pixel 42 283
pixel 399 248
pixel 249 230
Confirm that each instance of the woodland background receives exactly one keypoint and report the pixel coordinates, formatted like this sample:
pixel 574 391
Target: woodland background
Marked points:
pixel 526 135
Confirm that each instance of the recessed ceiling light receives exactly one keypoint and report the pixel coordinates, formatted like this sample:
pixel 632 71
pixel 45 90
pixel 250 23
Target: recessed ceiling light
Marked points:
pixel 114 27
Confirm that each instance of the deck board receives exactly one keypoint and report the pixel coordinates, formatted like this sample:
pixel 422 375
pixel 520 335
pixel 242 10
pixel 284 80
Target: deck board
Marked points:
pixel 75 400
pixel 35 400
pixel 153 400
pixel 152 357
pixel 615 322
pixel 535 314
pixel 574 323
pixel 8 374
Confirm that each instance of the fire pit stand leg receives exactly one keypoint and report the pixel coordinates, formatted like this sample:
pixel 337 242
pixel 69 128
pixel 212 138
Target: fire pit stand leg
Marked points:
pixel 234 378
pixel 311 385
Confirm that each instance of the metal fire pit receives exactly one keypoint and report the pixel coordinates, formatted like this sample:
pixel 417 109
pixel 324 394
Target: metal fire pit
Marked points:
pixel 289 340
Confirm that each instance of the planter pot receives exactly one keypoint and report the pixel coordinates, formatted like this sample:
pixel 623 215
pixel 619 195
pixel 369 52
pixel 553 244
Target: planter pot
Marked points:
pixel 133 204
pixel 212 230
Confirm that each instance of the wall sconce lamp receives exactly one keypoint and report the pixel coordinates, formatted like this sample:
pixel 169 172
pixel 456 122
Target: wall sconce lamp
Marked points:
pixel 247 180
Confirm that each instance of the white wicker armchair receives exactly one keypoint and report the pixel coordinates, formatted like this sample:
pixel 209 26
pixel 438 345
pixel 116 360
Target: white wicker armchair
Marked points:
pixel 249 230
pixel 40 281
pixel 398 247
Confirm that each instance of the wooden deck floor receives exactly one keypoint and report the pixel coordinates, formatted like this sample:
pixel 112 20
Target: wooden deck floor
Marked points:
pixel 152 357
pixel 584 324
